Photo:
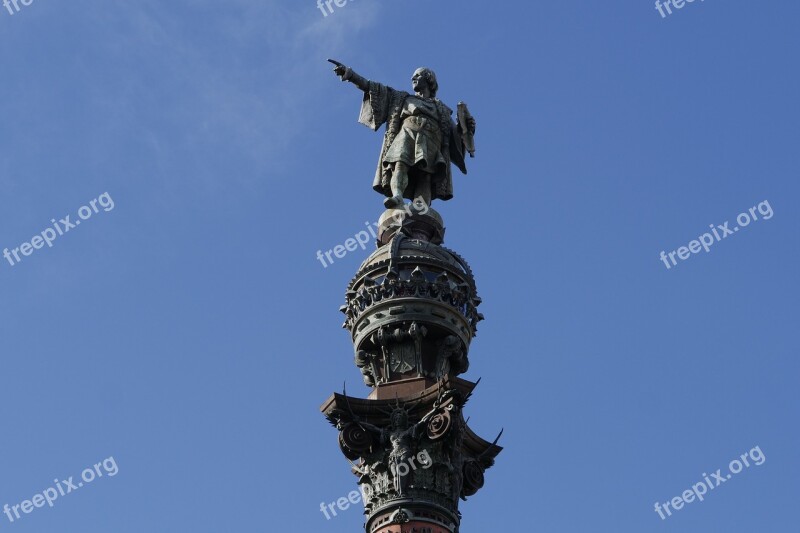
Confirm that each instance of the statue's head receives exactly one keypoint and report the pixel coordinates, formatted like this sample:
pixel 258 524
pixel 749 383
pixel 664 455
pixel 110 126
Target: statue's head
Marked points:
pixel 424 77
pixel 399 418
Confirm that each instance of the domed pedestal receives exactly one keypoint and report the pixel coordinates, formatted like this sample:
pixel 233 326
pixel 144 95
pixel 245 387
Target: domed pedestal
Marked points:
pixel 415 220
pixel 412 312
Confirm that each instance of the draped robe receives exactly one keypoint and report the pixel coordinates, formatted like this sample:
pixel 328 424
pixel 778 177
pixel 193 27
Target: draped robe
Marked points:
pixel 397 109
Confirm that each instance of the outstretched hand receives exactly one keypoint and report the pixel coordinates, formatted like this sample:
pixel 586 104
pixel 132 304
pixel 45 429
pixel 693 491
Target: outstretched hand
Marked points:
pixel 340 70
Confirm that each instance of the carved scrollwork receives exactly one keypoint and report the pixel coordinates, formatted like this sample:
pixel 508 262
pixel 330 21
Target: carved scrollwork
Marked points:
pixel 473 478
pixel 354 441
pixel 402 516
pixel 439 425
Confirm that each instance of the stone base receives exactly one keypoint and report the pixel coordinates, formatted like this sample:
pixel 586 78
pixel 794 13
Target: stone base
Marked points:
pixel 403 388
pixel 422 223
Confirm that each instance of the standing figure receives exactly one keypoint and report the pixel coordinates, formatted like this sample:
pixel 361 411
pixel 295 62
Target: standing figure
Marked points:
pixel 421 138
pixel 403 441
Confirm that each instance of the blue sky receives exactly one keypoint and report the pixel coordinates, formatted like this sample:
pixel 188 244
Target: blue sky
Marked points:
pixel 191 334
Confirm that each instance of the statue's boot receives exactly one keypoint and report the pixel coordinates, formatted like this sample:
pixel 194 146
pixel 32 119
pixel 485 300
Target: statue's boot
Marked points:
pixel 393 202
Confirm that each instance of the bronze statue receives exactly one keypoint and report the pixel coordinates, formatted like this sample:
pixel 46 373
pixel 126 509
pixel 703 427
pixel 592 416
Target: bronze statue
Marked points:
pixel 421 138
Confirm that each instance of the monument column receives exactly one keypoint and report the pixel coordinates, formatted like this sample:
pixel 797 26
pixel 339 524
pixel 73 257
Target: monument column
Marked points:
pixel 412 311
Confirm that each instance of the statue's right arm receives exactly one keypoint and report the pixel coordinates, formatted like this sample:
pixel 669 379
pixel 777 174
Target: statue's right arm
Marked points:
pixel 358 80
pixel 347 74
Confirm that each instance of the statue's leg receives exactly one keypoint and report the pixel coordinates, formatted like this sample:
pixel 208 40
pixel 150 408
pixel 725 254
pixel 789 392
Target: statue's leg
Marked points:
pixel 398 184
pixel 423 189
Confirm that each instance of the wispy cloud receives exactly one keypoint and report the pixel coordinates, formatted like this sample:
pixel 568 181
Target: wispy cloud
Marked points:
pixel 250 102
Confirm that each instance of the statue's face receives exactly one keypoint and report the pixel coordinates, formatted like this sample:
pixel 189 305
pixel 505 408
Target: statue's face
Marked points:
pixel 399 418
pixel 419 81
